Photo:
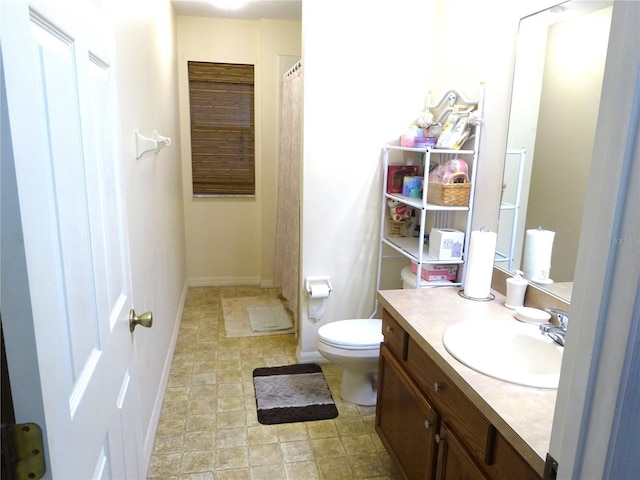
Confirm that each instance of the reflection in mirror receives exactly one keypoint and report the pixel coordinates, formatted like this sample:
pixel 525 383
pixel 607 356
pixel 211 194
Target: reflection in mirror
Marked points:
pixel 558 75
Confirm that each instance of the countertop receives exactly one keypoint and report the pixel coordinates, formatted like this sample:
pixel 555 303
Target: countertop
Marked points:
pixel 523 415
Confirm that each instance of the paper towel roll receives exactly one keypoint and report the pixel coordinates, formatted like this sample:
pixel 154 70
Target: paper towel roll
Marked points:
pixel 536 259
pixel 482 251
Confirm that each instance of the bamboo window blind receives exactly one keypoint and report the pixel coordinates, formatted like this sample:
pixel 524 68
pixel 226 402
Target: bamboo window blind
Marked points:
pixel 221 97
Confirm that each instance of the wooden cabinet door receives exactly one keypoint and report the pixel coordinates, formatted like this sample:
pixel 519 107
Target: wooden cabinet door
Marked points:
pixel 454 463
pixel 405 421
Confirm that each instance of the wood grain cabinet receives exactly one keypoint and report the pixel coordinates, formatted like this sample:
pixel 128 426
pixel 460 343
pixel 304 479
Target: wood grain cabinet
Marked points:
pixel 429 426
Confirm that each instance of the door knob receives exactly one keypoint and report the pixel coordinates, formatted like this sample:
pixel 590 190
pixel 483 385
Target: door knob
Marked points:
pixel 145 319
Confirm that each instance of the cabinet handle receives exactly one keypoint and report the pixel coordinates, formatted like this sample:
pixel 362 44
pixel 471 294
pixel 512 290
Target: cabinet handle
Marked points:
pixel 387 329
pixel 436 386
pixel 426 424
pixel 437 438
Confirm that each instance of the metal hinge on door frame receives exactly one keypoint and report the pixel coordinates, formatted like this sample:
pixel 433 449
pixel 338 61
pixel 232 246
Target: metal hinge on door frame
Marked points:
pixel 22 452
pixel 550 468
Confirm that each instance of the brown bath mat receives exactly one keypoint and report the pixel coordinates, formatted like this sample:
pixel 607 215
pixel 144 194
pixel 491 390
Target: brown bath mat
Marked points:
pixel 292 393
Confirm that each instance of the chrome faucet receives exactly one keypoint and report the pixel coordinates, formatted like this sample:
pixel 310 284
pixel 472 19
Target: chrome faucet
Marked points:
pixel 556 333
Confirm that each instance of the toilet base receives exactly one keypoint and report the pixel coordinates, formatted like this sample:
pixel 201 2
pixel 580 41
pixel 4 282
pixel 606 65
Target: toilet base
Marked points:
pixel 359 387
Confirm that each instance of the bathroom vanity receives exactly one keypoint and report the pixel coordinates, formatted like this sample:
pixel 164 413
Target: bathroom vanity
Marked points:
pixel 438 418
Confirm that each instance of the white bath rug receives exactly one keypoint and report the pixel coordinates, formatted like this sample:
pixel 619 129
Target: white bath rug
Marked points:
pixel 269 318
pixel 238 322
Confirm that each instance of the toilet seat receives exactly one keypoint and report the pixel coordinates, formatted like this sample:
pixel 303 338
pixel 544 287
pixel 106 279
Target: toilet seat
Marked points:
pixel 355 334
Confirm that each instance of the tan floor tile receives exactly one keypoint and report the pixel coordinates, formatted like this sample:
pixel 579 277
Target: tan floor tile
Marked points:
pixel 197 461
pixel 200 423
pixel 233 474
pixel 163 466
pixel 358 444
pixel 230 376
pixel 268 454
pixel 198 476
pixel 299 451
pixel 351 426
pixel 230 390
pixel 179 380
pixel 209 428
pixel 204 366
pixel 335 469
pixel 199 441
pixel 322 429
pixel 203 391
pixel 229 354
pixel 262 434
pixel 175 408
pixel 204 378
pixel 231 404
pixel 289 432
pixel 235 457
pixel 169 425
pixel 226 364
pixel 203 406
pixel 268 472
pixel 366 466
pixel 231 419
pixel 327 447
pixel 231 437
pixel 169 443
pixel 300 470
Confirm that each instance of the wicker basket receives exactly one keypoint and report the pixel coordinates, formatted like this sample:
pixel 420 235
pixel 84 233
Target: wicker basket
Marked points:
pixel 449 194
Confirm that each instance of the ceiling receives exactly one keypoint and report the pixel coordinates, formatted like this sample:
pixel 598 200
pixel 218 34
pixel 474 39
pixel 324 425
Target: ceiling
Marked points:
pixel 254 10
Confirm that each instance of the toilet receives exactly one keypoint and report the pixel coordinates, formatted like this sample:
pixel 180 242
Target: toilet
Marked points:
pixel 355 346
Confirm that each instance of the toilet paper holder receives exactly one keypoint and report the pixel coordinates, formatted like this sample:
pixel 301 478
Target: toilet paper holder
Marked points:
pixel 311 282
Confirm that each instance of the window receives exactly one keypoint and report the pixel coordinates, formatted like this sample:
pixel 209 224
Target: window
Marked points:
pixel 222 128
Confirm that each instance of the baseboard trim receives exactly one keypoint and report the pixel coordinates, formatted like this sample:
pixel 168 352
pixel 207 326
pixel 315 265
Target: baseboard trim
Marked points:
pixel 152 430
pixel 311 357
pixel 226 281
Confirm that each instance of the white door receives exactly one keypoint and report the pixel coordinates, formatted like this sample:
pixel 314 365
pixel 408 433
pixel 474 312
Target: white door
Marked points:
pixel 59 82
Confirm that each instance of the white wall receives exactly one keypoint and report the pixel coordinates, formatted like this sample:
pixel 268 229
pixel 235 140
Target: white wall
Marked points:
pixel 147 86
pixel 231 240
pixel 366 78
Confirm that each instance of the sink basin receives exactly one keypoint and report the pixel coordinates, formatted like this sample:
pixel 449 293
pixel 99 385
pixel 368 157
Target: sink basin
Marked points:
pixel 507 350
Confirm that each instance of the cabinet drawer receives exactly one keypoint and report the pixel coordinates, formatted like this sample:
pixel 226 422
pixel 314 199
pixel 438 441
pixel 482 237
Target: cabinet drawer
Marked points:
pixel 462 416
pixel 394 335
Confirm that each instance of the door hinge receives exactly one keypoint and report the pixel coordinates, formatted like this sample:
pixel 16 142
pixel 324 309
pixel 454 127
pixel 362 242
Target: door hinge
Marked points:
pixel 22 452
pixel 550 468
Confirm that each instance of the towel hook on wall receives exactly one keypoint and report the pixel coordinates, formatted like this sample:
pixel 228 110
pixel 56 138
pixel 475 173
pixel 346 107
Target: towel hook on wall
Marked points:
pixel 146 144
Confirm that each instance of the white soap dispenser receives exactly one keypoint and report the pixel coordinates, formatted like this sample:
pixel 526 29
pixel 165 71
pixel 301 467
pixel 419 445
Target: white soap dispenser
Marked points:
pixel 516 288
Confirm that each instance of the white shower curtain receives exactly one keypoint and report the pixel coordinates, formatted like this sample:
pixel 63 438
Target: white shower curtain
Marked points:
pixel 287 248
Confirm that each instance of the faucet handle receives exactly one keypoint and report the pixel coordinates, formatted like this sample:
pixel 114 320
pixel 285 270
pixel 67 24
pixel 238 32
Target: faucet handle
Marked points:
pixel 563 316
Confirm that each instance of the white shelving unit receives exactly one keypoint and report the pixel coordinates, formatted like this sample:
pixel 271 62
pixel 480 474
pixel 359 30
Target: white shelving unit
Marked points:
pixel 437 216
pixel 506 228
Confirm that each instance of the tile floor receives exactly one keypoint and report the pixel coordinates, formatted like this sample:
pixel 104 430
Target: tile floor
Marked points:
pixel 208 426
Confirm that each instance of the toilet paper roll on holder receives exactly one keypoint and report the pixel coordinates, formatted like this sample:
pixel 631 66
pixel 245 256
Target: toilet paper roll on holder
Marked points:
pixel 318 284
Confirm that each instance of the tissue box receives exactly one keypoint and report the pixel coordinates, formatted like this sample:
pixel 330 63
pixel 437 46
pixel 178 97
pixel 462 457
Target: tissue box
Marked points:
pixel 396 174
pixel 432 273
pixel 446 244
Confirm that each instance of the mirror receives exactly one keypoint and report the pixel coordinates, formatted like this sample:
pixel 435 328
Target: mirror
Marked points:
pixel 559 67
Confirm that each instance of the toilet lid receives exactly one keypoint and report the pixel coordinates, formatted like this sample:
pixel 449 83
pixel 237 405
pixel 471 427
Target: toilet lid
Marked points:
pixel 355 334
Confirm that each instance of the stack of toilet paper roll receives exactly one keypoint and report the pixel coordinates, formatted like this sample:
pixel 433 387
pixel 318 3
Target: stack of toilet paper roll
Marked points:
pixel 536 259
pixel 482 251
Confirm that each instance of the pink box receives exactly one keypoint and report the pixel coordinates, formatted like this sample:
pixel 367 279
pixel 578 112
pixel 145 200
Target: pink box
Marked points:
pixel 396 174
pixel 432 273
